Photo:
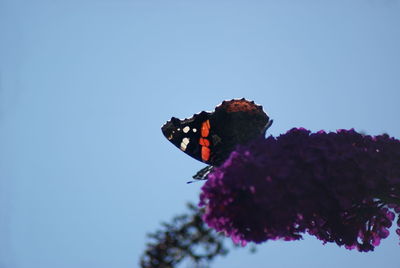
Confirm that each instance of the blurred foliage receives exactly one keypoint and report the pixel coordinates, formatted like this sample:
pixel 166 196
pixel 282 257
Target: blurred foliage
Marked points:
pixel 187 237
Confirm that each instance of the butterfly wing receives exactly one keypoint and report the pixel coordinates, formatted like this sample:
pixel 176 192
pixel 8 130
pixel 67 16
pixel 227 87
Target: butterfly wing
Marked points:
pixel 211 137
pixel 187 135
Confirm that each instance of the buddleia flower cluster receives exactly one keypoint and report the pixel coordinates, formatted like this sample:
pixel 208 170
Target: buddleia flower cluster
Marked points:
pixel 341 187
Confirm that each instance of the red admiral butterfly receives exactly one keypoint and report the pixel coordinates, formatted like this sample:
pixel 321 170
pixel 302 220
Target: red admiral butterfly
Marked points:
pixel 211 136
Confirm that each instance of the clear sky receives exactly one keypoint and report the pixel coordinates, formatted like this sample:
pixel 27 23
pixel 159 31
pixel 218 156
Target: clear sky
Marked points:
pixel 85 171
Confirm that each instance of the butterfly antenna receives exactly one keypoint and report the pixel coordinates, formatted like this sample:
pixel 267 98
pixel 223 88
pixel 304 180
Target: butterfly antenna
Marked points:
pixel 269 124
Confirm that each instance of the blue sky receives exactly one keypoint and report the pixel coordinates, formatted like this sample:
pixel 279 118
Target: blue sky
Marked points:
pixel 85 172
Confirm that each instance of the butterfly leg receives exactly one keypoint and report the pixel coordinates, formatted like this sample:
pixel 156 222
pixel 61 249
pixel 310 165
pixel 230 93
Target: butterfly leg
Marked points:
pixel 202 174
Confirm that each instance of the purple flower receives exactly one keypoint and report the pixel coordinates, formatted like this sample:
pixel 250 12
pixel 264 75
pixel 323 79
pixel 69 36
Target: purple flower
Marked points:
pixel 341 187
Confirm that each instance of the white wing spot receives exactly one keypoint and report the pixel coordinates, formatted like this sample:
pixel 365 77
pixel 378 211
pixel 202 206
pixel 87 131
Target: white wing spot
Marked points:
pixel 184 143
pixel 186 129
pixel 194 130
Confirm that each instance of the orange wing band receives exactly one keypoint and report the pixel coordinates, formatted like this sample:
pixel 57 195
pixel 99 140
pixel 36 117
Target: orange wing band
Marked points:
pixel 204 142
pixel 205 153
pixel 205 128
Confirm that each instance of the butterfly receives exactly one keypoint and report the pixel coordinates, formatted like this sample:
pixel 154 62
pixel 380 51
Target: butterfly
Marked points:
pixel 210 137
